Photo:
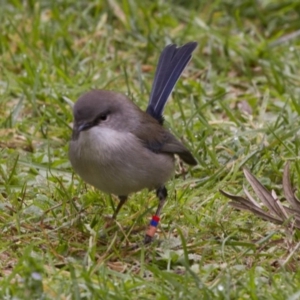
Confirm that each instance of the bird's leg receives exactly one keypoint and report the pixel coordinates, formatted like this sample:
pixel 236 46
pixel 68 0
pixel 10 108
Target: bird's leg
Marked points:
pixel 121 203
pixel 162 194
pixel 110 222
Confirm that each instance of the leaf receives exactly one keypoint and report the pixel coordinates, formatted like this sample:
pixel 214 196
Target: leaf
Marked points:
pixel 263 194
pixel 272 209
pixel 288 190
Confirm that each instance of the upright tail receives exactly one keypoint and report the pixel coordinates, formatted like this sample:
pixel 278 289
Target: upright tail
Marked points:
pixel 171 64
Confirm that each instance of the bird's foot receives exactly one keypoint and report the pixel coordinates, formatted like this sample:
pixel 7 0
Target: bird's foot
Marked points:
pixel 148 239
pixel 109 221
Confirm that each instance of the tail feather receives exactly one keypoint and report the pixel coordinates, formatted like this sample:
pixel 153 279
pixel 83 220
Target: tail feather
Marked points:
pixel 171 64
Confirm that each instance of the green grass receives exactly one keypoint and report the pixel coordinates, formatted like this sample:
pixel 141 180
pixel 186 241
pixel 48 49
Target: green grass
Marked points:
pixel 52 244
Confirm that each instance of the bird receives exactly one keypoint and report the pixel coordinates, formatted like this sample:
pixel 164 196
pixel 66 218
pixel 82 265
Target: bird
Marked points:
pixel 119 148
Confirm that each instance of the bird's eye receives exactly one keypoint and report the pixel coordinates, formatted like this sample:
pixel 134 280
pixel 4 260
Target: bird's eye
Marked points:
pixel 103 117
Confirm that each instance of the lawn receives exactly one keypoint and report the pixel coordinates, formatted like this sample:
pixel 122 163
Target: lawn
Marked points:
pixel 237 105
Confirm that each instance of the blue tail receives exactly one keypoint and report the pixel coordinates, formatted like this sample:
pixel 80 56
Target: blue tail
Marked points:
pixel 171 64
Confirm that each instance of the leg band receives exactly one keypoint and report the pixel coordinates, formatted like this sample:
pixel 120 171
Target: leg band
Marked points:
pixel 153 226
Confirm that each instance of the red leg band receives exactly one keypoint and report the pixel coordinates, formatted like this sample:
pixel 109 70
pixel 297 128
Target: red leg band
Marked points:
pixel 153 226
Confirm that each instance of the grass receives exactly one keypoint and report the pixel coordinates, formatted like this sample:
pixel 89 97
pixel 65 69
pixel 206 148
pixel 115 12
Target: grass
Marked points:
pixel 236 105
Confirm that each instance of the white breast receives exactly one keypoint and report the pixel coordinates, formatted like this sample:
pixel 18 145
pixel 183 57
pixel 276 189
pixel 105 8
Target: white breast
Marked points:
pixel 117 162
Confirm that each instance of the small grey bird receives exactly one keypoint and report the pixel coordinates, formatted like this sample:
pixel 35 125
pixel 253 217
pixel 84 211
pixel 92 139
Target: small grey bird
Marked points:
pixel 120 149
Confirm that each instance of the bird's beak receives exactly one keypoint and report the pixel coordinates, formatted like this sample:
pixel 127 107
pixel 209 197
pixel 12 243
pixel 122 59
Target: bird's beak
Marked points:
pixel 84 126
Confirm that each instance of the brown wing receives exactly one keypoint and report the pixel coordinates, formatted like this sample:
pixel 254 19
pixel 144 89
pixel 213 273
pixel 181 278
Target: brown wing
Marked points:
pixel 160 140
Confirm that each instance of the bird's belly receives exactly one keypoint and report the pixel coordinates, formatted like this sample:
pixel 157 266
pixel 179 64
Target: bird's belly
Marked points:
pixel 123 179
pixel 117 163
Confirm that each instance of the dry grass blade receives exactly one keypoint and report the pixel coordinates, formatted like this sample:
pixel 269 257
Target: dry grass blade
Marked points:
pixel 274 211
pixel 263 194
pixel 244 204
pixel 249 196
pixel 288 190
